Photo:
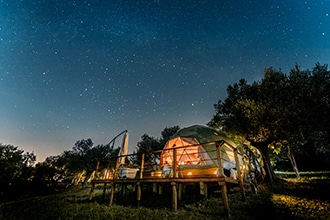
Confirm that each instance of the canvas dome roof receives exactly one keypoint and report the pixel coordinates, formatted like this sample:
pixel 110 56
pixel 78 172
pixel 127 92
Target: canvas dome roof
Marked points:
pixel 203 134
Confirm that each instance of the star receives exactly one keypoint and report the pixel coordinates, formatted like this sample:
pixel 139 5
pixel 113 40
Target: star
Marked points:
pixel 90 69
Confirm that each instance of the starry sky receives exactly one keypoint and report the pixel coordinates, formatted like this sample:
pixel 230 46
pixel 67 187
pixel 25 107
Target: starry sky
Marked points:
pixel 72 70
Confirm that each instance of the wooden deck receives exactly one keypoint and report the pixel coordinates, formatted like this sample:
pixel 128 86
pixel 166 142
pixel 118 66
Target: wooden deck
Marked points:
pixel 179 177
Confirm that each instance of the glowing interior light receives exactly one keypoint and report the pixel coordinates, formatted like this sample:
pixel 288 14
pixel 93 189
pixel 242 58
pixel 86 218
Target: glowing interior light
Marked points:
pixel 189 173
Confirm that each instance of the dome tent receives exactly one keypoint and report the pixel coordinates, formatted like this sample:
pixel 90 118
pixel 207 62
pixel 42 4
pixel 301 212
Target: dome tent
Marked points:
pixel 193 147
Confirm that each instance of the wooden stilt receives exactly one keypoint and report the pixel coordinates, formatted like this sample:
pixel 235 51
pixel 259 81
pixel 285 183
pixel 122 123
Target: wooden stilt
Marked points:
pixel 104 189
pixel 112 194
pixel 138 195
pixel 206 192
pixel 240 180
pixel 92 191
pixel 225 198
pixel 160 189
pixel 180 191
pixel 154 188
pixel 201 188
pixel 174 197
pixel 93 183
pixel 123 189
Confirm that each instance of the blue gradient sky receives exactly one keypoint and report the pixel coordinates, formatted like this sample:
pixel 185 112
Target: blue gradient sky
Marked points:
pixel 90 69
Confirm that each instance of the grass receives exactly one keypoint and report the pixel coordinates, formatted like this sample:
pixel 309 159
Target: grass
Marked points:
pixel 307 198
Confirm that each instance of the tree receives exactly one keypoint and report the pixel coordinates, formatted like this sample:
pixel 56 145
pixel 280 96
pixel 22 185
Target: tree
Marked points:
pixel 61 169
pixel 51 172
pixel 15 167
pixel 84 156
pixel 311 136
pixel 278 109
pixel 80 157
pixel 151 144
pixel 146 145
pixel 11 162
pixel 167 133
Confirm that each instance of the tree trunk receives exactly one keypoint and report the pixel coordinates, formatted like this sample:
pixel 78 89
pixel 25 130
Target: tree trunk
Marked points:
pixel 270 174
pixel 293 162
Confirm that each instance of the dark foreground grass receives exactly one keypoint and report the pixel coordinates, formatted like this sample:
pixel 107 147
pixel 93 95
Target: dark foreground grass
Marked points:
pixel 307 198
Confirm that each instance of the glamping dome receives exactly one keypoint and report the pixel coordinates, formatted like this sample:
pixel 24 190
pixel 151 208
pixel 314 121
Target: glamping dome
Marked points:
pixel 194 147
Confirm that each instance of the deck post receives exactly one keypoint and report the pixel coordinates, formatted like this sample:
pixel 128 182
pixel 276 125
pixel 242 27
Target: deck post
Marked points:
pixel 174 165
pixel 174 197
pixel 225 198
pixel 160 189
pixel 222 174
pixel 138 194
pixel 112 194
pixel 142 166
pixel 206 191
pixel 154 188
pixel 133 187
pixel 104 189
pixel 180 191
pixel 123 189
pixel 201 188
pixel 92 191
pixel 240 181
pixel 93 183
pixel 219 157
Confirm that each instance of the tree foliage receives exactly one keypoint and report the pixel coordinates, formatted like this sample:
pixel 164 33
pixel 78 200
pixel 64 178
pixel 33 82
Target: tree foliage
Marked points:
pixel 16 167
pixel 151 144
pixel 280 111
pixel 51 172
pixel 61 169
pixel 13 161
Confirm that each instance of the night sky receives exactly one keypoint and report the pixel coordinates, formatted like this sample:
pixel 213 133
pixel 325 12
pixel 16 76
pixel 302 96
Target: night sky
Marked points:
pixel 72 70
